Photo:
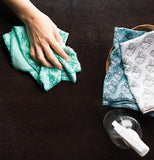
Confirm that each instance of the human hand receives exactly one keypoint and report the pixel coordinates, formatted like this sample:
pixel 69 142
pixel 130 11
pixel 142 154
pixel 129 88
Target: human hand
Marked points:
pixel 43 33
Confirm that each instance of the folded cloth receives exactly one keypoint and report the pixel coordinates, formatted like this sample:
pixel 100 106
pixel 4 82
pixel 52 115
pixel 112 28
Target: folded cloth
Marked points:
pixel 116 91
pixel 18 44
pixel 138 61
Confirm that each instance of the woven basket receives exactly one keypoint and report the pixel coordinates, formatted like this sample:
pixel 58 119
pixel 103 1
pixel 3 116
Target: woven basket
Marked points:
pixel 144 27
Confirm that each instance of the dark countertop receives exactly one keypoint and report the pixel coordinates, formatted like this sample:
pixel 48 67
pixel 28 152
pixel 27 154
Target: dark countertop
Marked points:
pixel 65 122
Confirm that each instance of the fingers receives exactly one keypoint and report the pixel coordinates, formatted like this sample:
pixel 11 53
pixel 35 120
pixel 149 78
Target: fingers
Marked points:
pixel 32 53
pixel 58 48
pixel 58 37
pixel 51 57
pixel 40 57
pixel 42 53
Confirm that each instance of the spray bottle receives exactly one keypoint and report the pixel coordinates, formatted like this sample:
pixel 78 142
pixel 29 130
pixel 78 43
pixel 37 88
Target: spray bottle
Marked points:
pixel 124 131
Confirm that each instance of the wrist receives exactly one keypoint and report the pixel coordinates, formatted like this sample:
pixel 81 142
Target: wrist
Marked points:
pixel 24 9
pixel 29 13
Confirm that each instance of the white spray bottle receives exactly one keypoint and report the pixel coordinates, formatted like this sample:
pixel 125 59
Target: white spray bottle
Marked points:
pixel 124 131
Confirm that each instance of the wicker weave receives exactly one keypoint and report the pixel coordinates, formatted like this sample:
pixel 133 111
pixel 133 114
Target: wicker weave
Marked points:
pixel 144 27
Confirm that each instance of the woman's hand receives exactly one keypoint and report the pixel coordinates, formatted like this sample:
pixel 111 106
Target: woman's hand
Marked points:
pixel 43 33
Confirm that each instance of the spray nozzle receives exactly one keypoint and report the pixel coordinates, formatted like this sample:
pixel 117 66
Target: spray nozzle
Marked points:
pixel 132 138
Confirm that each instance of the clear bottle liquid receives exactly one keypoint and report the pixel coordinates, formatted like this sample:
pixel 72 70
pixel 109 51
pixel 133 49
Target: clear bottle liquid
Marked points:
pixel 123 119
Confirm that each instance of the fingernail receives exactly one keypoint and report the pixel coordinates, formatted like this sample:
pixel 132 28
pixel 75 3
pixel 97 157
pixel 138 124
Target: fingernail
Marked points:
pixel 50 65
pixel 60 67
pixel 67 59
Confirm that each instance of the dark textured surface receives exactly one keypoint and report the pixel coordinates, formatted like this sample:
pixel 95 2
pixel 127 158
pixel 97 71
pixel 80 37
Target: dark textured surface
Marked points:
pixel 65 123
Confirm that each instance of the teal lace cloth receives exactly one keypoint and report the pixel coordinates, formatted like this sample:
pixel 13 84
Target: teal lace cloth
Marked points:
pixel 116 91
pixel 18 44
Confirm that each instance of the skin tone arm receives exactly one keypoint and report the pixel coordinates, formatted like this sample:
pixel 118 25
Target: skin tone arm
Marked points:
pixel 42 33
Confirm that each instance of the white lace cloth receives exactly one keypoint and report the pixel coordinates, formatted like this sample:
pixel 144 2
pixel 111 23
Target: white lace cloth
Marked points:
pixel 138 60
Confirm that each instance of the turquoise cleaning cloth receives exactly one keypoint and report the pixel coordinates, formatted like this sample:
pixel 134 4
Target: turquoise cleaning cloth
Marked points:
pixel 116 91
pixel 18 44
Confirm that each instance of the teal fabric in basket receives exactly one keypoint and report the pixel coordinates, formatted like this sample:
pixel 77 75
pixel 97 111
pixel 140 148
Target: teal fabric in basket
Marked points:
pixel 116 91
pixel 18 44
